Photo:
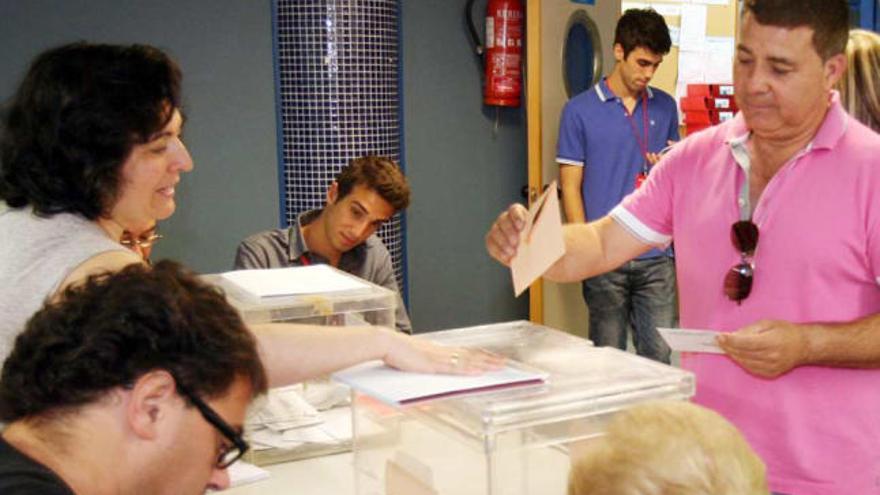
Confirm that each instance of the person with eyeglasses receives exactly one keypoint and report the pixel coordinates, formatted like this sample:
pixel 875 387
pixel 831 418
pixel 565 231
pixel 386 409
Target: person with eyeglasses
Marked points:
pixel 131 382
pixel 91 153
pixel 775 217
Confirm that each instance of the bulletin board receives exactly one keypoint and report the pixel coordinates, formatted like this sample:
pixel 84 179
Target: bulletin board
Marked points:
pixel 721 17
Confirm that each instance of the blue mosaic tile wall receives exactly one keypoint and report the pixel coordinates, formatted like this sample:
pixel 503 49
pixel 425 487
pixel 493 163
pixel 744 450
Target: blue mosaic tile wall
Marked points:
pixel 338 79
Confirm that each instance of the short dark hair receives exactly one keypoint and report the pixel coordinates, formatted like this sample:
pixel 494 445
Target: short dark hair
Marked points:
pixel 113 328
pixel 379 174
pixel 74 119
pixel 642 28
pixel 829 20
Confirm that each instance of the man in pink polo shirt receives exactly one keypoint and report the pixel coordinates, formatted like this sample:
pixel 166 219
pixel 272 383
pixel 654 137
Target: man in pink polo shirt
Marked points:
pixel 776 222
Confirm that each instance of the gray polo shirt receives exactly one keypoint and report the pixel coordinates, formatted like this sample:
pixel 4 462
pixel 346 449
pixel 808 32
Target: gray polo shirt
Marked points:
pixel 281 248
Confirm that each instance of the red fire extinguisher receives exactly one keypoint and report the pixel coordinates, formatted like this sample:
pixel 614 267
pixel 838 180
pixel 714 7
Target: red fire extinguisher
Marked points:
pixel 502 55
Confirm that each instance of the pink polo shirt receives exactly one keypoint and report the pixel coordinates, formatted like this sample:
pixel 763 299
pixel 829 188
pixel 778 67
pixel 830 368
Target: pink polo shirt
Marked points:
pixel 818 260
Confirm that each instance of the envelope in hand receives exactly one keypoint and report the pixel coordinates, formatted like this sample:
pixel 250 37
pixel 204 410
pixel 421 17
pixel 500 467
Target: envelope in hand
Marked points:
pixel 541 242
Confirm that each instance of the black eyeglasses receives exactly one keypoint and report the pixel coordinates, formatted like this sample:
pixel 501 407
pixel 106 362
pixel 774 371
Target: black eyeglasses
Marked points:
pixel 228 453
pixel 738 281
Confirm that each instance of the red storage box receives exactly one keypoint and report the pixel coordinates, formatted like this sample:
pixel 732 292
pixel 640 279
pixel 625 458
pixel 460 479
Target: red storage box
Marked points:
pixel 707 117
pixel 711 90
pixel 699 90
pixel 698 103
pixel 721 90
pixel 700 117
pixel 694 103
pixel 723 103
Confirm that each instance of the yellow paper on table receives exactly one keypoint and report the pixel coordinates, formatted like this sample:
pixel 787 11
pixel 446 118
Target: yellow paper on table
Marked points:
pixel 541 242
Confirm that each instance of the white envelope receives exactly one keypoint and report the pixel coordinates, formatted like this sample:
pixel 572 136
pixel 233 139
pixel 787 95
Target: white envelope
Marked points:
pixel 691 340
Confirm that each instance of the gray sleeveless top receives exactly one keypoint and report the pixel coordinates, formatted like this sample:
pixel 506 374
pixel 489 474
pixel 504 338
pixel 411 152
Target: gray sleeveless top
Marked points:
pixel 36 255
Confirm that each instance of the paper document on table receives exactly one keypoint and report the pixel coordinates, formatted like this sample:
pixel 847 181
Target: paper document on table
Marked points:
pixel 283 408
pixel 540 243
pixel 281 282
pixel 689 340
pixel 241 473
pixel 396 387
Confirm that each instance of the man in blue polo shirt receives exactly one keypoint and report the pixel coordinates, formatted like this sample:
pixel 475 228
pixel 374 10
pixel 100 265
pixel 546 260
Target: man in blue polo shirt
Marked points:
pixel 609 137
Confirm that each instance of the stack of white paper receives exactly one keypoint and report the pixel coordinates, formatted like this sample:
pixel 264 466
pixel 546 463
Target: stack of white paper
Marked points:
pixel 285 282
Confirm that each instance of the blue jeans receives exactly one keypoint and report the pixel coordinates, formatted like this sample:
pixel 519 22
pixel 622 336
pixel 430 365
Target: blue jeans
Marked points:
pixel 638 295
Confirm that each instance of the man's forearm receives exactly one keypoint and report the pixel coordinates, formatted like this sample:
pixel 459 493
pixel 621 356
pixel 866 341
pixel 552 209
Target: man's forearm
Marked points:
pixel 853 344
pixel 594 248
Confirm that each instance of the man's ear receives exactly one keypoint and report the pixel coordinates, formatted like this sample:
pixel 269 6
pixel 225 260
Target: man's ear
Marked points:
pixel 151 401
pixel 618 52
pixel 332 193
pixel 834 68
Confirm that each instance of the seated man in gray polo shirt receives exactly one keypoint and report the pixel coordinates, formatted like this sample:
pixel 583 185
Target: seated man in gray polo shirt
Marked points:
pixel 365 194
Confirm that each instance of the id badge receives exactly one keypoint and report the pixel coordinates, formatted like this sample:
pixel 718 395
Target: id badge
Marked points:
pixel 640 179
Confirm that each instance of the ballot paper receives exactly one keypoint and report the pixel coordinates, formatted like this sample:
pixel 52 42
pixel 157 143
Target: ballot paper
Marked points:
pixel 283 282
pixel 397 388
pixel 690 340
pixel 242 473
pixel 286 419
pixel 283 408
pixel 541 242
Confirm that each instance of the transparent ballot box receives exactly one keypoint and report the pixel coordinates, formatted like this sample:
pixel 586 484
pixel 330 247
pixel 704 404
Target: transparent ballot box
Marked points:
pixel 513 442
pixel 318 294
pixel 312 418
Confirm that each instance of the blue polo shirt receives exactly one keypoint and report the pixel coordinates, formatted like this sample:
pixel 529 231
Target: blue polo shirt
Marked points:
pixel 595 133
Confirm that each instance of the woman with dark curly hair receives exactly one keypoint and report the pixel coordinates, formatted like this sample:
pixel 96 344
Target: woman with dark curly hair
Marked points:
pixel 90 152
pixel 90 155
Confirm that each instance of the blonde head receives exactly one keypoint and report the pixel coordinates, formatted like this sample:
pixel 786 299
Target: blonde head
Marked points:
pixel 666 448
pixel 860 86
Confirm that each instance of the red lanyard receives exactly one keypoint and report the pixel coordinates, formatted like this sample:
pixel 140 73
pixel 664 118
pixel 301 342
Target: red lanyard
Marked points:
pixel 643 144
pixel 304 260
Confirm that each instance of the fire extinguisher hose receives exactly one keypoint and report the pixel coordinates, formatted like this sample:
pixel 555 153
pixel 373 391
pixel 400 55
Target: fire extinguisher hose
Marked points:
pixel 479 49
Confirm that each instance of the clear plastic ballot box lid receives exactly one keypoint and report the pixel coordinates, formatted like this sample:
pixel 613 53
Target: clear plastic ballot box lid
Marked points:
pixel 308 294
pixel 583 379
pixel 514 441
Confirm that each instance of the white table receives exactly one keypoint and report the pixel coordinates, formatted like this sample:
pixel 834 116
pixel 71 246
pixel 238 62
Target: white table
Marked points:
pixel 325 475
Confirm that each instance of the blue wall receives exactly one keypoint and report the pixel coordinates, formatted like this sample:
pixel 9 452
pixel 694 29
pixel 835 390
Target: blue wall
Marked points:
pixel 462 176
pixel 226 55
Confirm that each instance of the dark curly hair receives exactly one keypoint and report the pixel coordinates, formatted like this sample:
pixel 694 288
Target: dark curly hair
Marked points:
pixel 379 174
pixel 829 20
pixel 642 28
pixel 112 329
pixel 74 120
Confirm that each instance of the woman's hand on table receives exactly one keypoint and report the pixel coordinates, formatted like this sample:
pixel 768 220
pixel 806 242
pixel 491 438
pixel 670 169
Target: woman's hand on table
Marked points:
pixel 423 356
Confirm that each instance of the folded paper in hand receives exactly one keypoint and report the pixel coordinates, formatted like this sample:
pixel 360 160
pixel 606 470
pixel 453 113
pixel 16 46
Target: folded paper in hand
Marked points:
pixel 541 242
pixel 690 340
pixel 397 388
